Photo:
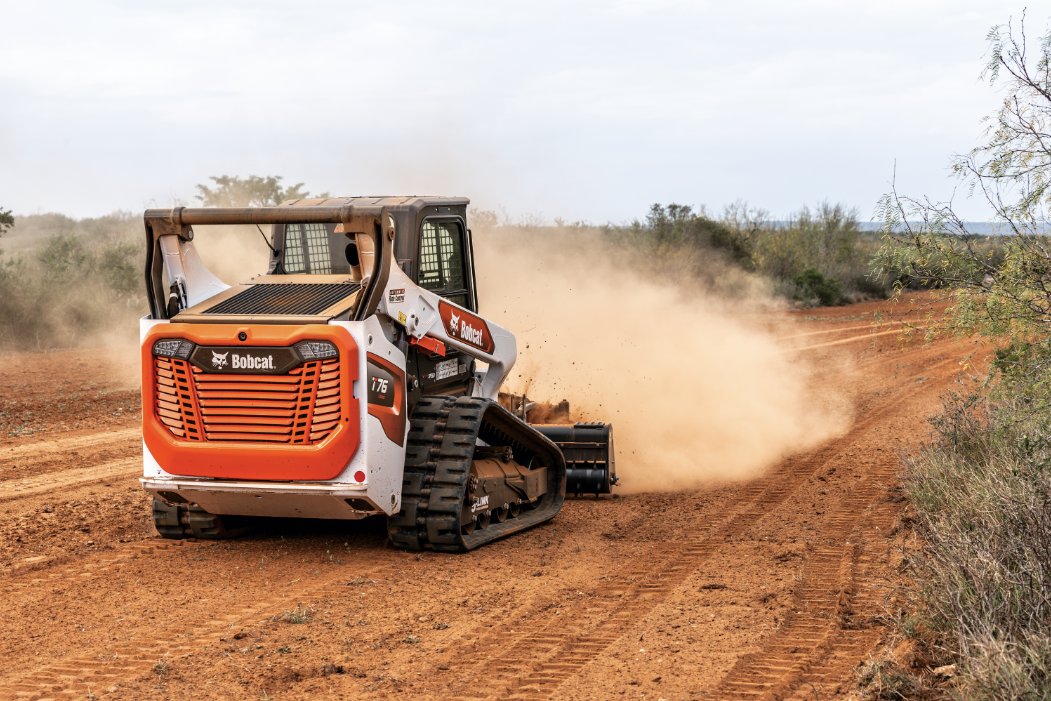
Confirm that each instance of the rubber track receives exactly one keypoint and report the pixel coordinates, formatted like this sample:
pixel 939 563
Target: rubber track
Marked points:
pixel 442 438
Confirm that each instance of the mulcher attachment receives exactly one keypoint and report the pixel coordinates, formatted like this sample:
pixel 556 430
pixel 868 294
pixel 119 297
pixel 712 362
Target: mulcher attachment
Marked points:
pixel 191 521
pixel 588 448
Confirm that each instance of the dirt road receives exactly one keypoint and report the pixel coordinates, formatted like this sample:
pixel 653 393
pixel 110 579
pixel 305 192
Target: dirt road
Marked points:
pixel 769 589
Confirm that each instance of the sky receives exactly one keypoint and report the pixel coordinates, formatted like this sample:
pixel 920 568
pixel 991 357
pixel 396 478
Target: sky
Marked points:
pixel 584 111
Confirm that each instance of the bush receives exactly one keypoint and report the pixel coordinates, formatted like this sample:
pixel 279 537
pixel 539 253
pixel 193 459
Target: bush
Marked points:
pixel 982 493
pixel 816 257
pixel 678 226
pixel 813 285
pixel 69 289
pixel 982 490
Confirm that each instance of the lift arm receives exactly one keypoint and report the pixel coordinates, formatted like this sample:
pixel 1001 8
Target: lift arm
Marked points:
pixel 428 317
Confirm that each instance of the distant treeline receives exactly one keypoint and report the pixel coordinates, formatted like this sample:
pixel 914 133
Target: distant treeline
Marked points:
pixel 975 228
pixel 817 256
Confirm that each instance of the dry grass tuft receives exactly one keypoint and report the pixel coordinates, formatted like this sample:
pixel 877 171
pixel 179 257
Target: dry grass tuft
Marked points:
pixel 982 494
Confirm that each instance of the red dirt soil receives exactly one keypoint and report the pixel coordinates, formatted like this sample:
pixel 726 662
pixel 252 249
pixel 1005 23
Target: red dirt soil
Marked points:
pixel 775 588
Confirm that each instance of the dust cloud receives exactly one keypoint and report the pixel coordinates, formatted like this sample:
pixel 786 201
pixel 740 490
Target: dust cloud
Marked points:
pixel 690 373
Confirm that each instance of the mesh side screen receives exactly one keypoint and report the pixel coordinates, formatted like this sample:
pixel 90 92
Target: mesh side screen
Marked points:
pixel 430 267
pixel 319 260
pixel 294 258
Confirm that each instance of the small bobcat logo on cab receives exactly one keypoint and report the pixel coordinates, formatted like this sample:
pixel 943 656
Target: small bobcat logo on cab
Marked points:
pixel 454 324
pixel 219 359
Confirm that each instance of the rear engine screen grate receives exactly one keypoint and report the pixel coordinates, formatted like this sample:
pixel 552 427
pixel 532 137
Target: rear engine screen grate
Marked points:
pixel 300 408
pixel 290 299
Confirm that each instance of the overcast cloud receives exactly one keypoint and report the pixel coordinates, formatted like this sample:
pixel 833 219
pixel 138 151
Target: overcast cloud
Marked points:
pixel 587 110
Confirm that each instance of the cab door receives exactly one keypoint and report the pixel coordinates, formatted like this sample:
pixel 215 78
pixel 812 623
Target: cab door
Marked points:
pixel 445 268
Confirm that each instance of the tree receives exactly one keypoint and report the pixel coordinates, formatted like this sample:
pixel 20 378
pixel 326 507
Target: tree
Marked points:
pixel 7 220
pixel 818 251
pixel 253 191
pixel 1000 285
pixel 675 226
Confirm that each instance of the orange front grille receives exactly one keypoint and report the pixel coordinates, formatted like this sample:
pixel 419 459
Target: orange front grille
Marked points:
pixel 302 407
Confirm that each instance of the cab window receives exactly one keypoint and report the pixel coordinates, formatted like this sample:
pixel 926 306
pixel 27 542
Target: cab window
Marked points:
pixel 307 249
pixel 442 268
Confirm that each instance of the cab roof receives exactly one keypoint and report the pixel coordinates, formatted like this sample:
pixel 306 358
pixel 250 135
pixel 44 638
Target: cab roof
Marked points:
pixel 404 203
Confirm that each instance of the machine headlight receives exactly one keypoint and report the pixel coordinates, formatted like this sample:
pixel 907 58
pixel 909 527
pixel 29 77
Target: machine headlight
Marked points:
pixel 316 350
pixel 173 348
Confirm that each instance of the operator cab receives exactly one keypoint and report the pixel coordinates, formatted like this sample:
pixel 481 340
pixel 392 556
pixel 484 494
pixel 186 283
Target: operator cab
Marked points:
pixel 432 246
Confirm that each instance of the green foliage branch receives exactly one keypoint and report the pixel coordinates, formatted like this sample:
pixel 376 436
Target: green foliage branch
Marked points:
pixel 7 220
pixel 1000 285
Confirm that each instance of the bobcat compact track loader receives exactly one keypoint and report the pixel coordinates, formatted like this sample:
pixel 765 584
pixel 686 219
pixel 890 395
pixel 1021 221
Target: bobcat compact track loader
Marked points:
pixel 343 382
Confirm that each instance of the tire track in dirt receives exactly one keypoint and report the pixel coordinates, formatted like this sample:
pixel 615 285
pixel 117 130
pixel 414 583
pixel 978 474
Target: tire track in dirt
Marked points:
pixel 872 326
pixel 36 574
pixel 824 604
pixel 562 648
pixel 852 339
pixel 39 479
pixel 858 633
pixel 827 633
pixel 38 459
pixel 78 675
pixel 69 444
pixel 83 674
pixel 65 479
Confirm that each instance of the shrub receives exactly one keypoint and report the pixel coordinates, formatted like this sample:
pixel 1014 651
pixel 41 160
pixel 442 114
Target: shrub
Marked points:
pixel 297 616
pixel 818 256
pixel 67 290
pixel 982 493
pixel 7 220
pixel 813 285
pixel 982 490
